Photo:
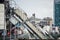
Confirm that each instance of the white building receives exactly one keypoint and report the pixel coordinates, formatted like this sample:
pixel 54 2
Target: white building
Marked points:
pixel 2 22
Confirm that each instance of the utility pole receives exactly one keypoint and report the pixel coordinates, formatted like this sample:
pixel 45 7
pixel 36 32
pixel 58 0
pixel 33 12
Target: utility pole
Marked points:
pixel 7 8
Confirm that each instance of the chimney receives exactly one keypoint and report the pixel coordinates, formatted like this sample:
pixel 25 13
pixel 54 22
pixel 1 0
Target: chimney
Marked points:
pixel 34 15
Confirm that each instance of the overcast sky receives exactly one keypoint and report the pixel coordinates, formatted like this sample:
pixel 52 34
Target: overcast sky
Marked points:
pixel 42 8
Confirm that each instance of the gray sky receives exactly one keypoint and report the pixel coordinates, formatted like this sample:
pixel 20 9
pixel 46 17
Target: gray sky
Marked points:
pixel 42 8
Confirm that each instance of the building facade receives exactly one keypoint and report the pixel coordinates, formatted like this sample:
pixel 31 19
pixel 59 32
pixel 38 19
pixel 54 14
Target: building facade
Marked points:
pixel 57 12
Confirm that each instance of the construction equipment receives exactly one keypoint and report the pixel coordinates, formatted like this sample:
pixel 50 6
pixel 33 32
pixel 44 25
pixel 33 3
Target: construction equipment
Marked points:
pixel 22 18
